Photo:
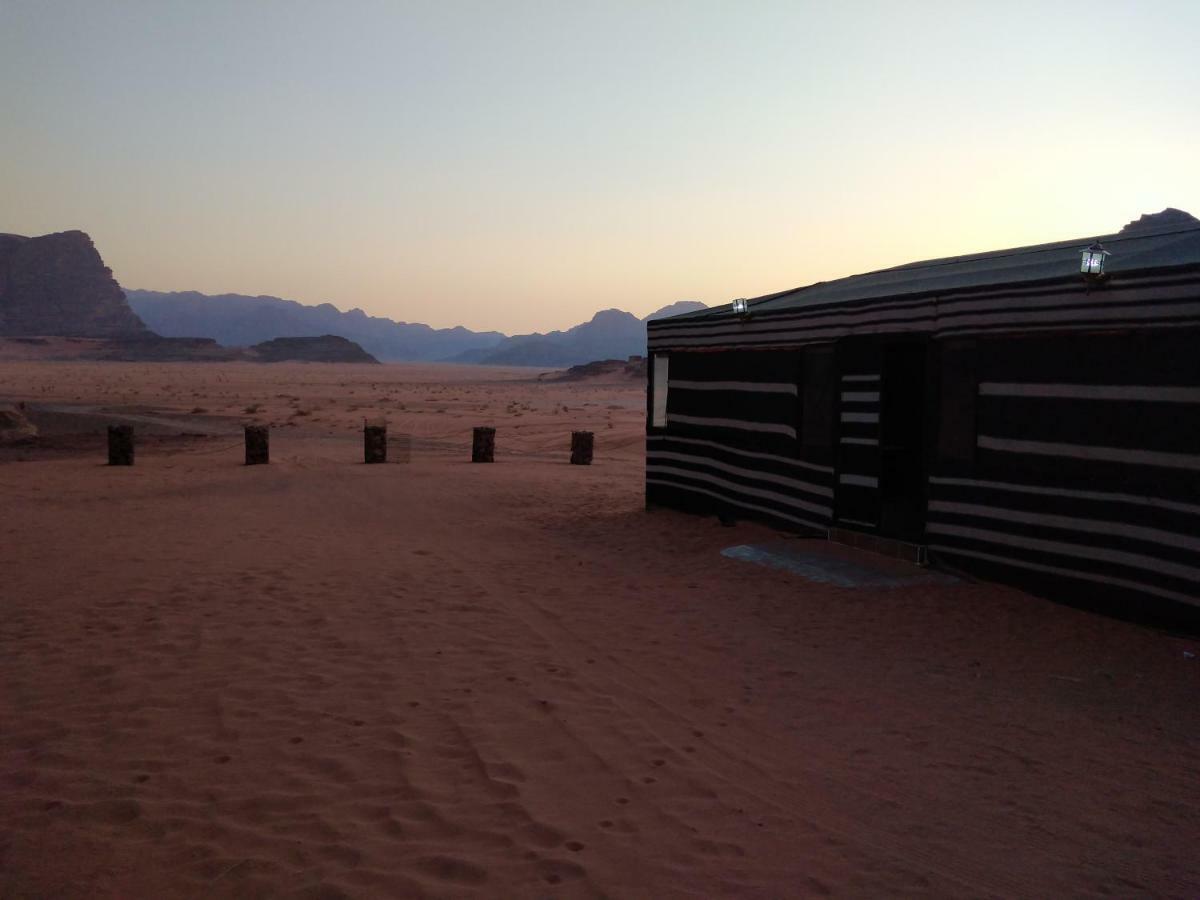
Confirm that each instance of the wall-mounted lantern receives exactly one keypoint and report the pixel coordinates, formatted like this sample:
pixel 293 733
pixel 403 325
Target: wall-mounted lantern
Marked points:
pixel 741 307
pixel 1091 263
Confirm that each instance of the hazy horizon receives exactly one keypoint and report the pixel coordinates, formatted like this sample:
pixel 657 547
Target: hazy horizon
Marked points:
pixel 518 168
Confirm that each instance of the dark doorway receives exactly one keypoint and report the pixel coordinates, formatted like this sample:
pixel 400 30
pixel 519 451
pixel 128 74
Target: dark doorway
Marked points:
pixel 901 441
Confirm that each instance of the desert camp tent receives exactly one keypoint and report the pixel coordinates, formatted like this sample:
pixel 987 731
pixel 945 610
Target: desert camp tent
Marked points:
pixel 1001 412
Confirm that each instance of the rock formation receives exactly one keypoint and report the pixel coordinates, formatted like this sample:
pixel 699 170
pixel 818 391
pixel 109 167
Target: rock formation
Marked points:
pixel 327 348
pixel 14 427
pixel 1168 218
pixel 57 284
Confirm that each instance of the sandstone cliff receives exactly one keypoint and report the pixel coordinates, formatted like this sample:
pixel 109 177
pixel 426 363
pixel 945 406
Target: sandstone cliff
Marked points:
pixel 57 284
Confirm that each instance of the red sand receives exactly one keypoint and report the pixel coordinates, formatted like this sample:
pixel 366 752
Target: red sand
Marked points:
pixel 325 679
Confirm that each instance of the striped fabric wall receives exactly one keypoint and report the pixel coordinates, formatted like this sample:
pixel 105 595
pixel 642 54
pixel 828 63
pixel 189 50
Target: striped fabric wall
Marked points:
pixel 711 476
pixel 858 453
pixel 1148 301
pixel 730 444
pixel 1087 488
pixel 1104 544
pixel 1077 474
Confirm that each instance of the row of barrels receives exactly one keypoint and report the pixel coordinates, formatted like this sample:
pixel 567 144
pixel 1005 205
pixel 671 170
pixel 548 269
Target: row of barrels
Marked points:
pixel 258 445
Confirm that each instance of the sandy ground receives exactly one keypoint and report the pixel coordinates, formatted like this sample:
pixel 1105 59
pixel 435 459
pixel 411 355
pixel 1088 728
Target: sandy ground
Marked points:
pixel 324 679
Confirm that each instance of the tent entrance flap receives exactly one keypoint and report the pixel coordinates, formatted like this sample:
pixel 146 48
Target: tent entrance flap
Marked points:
pixel 902 442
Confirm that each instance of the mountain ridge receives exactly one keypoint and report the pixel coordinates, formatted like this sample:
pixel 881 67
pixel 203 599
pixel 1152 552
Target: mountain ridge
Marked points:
pixel 244 320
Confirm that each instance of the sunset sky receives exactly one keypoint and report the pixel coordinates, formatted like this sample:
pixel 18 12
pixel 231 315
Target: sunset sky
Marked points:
pixel 520 165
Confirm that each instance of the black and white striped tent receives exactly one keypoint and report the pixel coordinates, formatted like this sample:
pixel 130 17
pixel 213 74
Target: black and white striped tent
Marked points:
pixel 1000 411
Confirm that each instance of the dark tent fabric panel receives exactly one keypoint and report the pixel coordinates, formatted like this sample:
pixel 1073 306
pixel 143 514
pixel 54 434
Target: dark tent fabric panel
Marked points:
pixel 731 442
pixel 1104 411
pixel 818 408
pixel 748 399
pixel 1078 586
pixel 959 385
pixel 1087 470
pixel 717 477
pixel 704 499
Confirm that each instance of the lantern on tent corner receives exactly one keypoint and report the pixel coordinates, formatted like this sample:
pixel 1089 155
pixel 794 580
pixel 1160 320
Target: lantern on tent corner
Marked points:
pixel 1091 263
pixel 741 307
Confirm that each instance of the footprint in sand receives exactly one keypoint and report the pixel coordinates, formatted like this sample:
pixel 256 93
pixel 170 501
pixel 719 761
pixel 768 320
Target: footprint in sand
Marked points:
pixel 555 871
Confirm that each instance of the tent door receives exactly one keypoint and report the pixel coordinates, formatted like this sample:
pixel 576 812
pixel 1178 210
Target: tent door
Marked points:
pixel 901 441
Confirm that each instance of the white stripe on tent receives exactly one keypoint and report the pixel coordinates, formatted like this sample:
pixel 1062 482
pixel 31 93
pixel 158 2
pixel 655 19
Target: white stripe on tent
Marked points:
pixel 1071 523
pixel 759 387
pixel 700 442
pixel 1165 322
pixel 860 396
pixel 1070 573
pixel 1094 315
pixel 857 522
pixel 1101 554
pixel 859 480
pixel 795 483
pixel 739 424
pixel 754 506
pixel 862 418
pixel 860 377
pixel 761 493
pixel 1008 302
pixel 866 442
pixel 1138 499
pixel 1087 451
pixel 1149 393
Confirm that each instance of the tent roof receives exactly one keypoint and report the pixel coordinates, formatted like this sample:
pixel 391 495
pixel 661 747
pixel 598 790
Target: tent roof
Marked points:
pixel 1158 241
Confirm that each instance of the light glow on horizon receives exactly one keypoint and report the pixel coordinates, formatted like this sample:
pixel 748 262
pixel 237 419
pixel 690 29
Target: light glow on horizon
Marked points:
pixel 519 166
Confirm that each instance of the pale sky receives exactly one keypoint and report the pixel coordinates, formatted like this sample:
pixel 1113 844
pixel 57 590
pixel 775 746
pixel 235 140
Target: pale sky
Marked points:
pixel 520 165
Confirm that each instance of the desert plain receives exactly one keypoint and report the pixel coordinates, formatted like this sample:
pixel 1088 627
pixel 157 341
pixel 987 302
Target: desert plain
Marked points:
pixel 324 679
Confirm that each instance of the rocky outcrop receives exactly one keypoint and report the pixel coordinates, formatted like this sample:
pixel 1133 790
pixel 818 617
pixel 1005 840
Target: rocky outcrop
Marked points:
pixel 328 348
pixel 632 369
pixel 57 284
pixel 14 427
pixel 160 349
pixel 1168 218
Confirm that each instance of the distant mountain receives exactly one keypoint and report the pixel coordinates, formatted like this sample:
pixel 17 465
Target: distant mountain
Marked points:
pixel 236 320
pixel 57 284
pixel 677 308
pixel 611 334
pixel 240 321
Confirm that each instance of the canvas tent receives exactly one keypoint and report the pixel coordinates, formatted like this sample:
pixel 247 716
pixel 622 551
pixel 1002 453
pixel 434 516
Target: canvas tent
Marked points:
pixel 1000 411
